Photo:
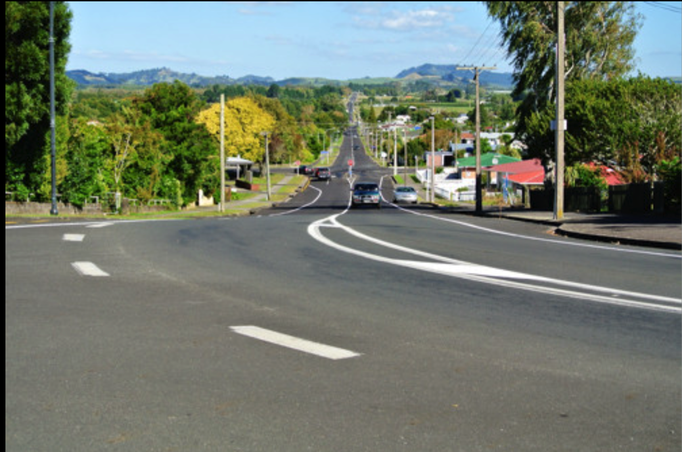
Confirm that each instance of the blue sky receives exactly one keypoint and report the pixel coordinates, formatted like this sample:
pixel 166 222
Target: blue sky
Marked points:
pixel 336 40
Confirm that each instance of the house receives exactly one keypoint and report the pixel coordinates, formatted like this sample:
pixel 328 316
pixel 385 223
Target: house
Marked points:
pixel 441 158
pixel 467 165
pixel 525 172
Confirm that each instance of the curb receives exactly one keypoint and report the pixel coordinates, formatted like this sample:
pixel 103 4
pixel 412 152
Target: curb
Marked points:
pixel 618 240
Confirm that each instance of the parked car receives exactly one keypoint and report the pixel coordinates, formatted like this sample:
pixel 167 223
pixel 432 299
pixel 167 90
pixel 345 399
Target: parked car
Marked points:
pixel 366 193
pixel 323 173
pixel 405 194
pixel 305 170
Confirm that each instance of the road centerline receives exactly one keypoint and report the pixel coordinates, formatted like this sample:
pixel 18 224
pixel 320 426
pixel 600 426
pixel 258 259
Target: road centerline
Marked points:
pixel 89 269
pixel 295 343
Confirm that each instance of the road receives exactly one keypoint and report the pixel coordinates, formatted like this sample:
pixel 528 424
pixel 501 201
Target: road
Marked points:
pixel 315 327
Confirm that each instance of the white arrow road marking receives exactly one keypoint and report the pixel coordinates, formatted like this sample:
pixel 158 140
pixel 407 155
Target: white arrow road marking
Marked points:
pixel 73 237
pixel 490 275
pixel 302 345
pixel 89 269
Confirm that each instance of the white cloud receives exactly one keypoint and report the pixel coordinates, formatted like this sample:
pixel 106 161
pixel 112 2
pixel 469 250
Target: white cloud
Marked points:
pixel 397 20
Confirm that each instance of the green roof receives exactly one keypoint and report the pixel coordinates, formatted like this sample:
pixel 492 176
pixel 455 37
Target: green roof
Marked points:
pixel 488 159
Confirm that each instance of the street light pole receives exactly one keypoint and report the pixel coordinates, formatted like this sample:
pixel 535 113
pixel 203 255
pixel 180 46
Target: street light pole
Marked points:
pixel 433 159
pixel 221 209
pixel 405 165
pixel 267 164
pixel 53 144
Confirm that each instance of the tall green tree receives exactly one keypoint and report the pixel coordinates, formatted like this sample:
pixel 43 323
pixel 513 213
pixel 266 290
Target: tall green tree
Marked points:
pixel 599 38
pixel 27 86
pixel 172 110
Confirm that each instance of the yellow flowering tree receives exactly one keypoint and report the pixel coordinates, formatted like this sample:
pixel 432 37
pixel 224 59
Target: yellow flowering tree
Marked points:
pixel 244 122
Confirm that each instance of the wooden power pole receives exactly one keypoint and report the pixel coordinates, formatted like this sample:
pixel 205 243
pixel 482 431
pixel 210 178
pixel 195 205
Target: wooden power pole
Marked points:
pixel 479 189
pixel 559 125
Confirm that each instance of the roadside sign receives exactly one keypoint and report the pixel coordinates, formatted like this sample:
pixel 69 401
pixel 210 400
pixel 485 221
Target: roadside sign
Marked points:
pixel 350 162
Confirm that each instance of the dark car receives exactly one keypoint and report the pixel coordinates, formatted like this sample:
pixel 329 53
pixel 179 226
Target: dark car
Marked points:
pixel 323 173
pixel 366 193
pixel 305 170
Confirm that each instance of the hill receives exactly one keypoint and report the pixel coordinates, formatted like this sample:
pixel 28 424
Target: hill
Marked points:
pixel 439 75
pixel 450 73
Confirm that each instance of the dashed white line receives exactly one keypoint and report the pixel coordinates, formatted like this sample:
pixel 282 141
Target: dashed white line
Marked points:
pixel 89 269
pixel 73 237
pixel 295 343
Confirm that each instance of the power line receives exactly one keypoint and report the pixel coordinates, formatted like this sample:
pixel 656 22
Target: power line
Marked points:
pixel 665 6
pixel 466 58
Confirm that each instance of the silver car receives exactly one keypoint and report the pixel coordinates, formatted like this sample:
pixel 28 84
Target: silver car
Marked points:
pixel 405 194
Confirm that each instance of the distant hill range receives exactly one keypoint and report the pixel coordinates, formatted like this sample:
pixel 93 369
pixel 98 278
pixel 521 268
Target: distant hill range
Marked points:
pixel 441 75
pixel 450 73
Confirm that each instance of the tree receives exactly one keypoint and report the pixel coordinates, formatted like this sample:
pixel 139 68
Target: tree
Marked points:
pixel 135 159
pixel 634 123
pixel 282 145
pixel 598 46
pixel 27 81
pixel 87 148
pixel 172 109
pixel 244 121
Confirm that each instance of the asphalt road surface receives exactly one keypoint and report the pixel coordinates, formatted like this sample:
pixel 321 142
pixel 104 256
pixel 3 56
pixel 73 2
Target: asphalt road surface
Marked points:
pixel 316 327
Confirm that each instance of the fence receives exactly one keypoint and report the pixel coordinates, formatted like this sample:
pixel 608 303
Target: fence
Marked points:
pixel 630 198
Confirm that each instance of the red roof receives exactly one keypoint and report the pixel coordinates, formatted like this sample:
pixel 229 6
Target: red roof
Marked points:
pixel 525 172
pixel 531 172
pixel 530 178
pixel 610 175
pixel 524 166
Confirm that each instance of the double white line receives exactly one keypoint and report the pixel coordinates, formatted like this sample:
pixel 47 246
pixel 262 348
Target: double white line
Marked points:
pixel 499 277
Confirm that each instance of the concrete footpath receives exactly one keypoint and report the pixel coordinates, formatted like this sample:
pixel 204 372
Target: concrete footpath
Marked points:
pixel 657 231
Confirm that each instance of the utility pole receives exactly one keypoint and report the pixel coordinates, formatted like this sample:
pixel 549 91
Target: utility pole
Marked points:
pixel 267 164
pixel 479 189
pixel 559 125
pixel 405 165
pixel 395 151
pixel 53 124
pixel 222 153
pixel 433 159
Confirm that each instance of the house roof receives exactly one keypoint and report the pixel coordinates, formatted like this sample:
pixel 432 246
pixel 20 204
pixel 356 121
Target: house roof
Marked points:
pixel 488 159
pixel 524 166
pixel 529 178
pixel 231 161
pixel 526 172
pixel 611 176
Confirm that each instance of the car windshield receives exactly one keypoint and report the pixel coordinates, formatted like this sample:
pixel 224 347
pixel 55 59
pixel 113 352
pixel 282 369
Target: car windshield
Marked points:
pixel 405 190
pixel 366 187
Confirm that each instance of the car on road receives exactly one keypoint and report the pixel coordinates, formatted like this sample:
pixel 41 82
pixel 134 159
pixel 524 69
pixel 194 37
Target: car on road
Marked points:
pixel 305 170
pixel 366 193
pixel 323 173
pixel 405 194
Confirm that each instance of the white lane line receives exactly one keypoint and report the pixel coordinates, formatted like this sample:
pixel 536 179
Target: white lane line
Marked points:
pixel 88 269
pixel 499 277
pixel 100 225
pixel 319 194
pixel 302 345
pixel 539 239
pixel 73 237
